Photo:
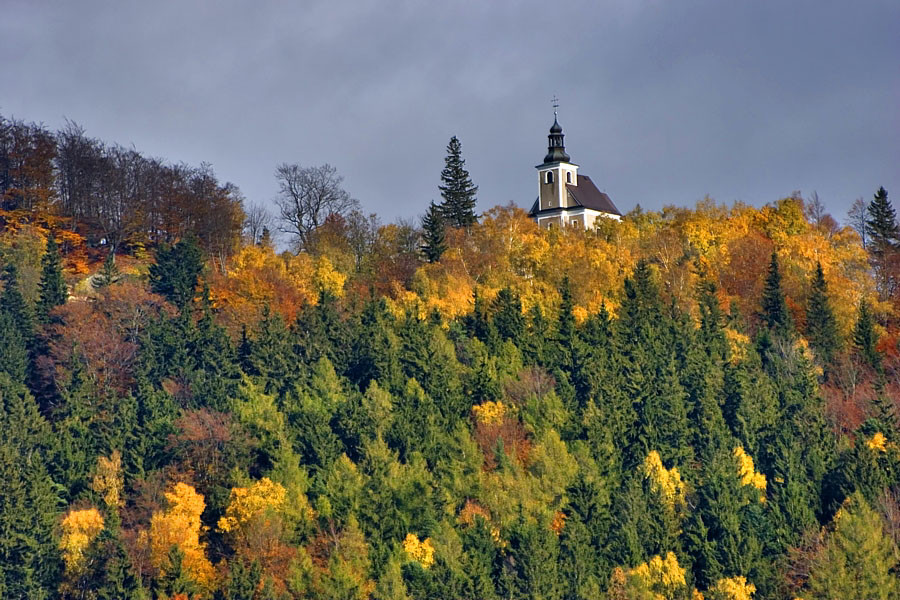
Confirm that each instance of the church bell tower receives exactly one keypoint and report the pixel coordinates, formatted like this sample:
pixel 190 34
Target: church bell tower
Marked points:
pixel 556 172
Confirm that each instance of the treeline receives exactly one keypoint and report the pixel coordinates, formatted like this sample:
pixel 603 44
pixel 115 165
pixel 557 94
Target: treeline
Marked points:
pixel 668 444
pixel 114 195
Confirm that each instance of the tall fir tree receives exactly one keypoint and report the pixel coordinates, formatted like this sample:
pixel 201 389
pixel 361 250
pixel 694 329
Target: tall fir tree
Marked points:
pixel 858 560
pixel 821 325
pixel 774 308
pixel 176 271
pixel 52 286
pixel 434 242
pixel 881 227
pixel 865 338
pixel 457 189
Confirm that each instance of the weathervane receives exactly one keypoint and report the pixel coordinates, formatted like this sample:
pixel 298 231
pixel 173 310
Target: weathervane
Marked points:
pixel 555 102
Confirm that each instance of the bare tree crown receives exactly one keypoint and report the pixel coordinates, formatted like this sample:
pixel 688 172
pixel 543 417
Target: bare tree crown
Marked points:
pixel 307 197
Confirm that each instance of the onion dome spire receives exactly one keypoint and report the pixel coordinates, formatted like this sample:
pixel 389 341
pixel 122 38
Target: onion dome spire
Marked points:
pixel 556 148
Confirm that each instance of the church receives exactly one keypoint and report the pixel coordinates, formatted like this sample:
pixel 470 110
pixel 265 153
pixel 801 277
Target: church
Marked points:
pixel 565 198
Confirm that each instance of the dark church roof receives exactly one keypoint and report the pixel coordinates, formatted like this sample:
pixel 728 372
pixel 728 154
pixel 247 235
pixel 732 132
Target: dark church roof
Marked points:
pixel 585 194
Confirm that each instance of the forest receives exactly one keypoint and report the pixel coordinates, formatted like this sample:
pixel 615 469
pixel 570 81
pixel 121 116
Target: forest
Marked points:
pixel 691 403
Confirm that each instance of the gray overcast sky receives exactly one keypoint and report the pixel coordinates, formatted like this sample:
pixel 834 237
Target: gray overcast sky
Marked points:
pixel 662 102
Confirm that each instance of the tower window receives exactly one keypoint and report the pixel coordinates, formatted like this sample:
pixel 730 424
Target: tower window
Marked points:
pixel 549 177
pixel 568 176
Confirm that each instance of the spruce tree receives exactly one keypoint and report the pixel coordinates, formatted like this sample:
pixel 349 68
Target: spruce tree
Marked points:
pixel 176 271
pixel 858 560
pixel 53 287
pixel 865 338
pixel 881 227
pixel 109 273
pixel 457 189
pixel 774 308
pixel 821 326
pixel 13 304
pixel 433 240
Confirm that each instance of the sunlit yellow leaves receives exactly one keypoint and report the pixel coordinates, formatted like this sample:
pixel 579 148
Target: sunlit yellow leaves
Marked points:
pixel 747 472
pixel 877 442
pixel 490 413
pixel 79 529
pixel 732 588
pixel 665 482
pixel 662 576
pixel 180 526
pixel 246 503
pixel 327 279
pixel 420 551
pixel 258 277
pixel 108 480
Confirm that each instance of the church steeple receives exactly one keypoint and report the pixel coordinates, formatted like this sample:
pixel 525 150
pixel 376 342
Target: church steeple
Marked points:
pixel 556 148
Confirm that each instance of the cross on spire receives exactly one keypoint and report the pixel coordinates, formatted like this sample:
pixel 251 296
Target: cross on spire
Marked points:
pixel 555 102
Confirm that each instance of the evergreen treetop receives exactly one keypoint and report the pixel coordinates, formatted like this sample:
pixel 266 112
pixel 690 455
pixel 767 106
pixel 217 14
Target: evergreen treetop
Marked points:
pixel 821 325
pixel 433 239
pixel 774 308
pixel 52 286
pixel 457 189
pixel 881 223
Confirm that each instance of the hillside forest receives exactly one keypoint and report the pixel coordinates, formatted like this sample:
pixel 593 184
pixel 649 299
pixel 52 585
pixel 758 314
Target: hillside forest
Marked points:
pixel 691 403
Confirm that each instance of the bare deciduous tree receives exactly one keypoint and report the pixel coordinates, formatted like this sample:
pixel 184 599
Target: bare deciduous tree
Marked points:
pixel 307 197
pixel 257 220
pixel 856 218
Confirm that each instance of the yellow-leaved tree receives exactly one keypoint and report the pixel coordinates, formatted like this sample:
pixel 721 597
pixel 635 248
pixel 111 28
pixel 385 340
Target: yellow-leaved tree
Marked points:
pixel 180 526
pixel 79 529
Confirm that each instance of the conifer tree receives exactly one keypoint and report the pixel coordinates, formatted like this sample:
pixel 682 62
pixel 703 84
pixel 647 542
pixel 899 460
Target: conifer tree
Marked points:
pixel 508 318
pixel 53 287
pixel 774 308
pixel 176 271
pixel 881 227
pixel 13 304
pixel 433 239
pixel 858 559
pixel 109 273
pixel 865 338
pixel 457 189
pixel 821 326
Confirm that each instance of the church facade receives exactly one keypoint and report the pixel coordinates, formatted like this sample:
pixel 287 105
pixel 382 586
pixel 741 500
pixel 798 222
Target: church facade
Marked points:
pixel 565 198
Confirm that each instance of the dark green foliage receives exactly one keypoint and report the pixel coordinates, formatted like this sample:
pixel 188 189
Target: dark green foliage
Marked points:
pixel 434 242
pixel 457 189
pixel 864 337
pixel 821 326
pixel 508 318
pixel 881 222
pixel 882 233
pixel 175 580
pixel 53 287
pixel 775 313
pixel 109 272
pixel 176 271
pixel 242 582
pixel 30 502
pixel 13 305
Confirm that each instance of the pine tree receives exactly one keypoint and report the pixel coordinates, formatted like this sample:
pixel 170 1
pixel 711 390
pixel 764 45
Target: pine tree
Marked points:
pixel 109 273
pixel 774 308
pixel 858 559
pixel 457 189
pixel 53 287
pixel 508 318
pixel 865 338
pixel 433 240
pixel 13 304
pixel 881 226
pixel 821 326
pixel 176 271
